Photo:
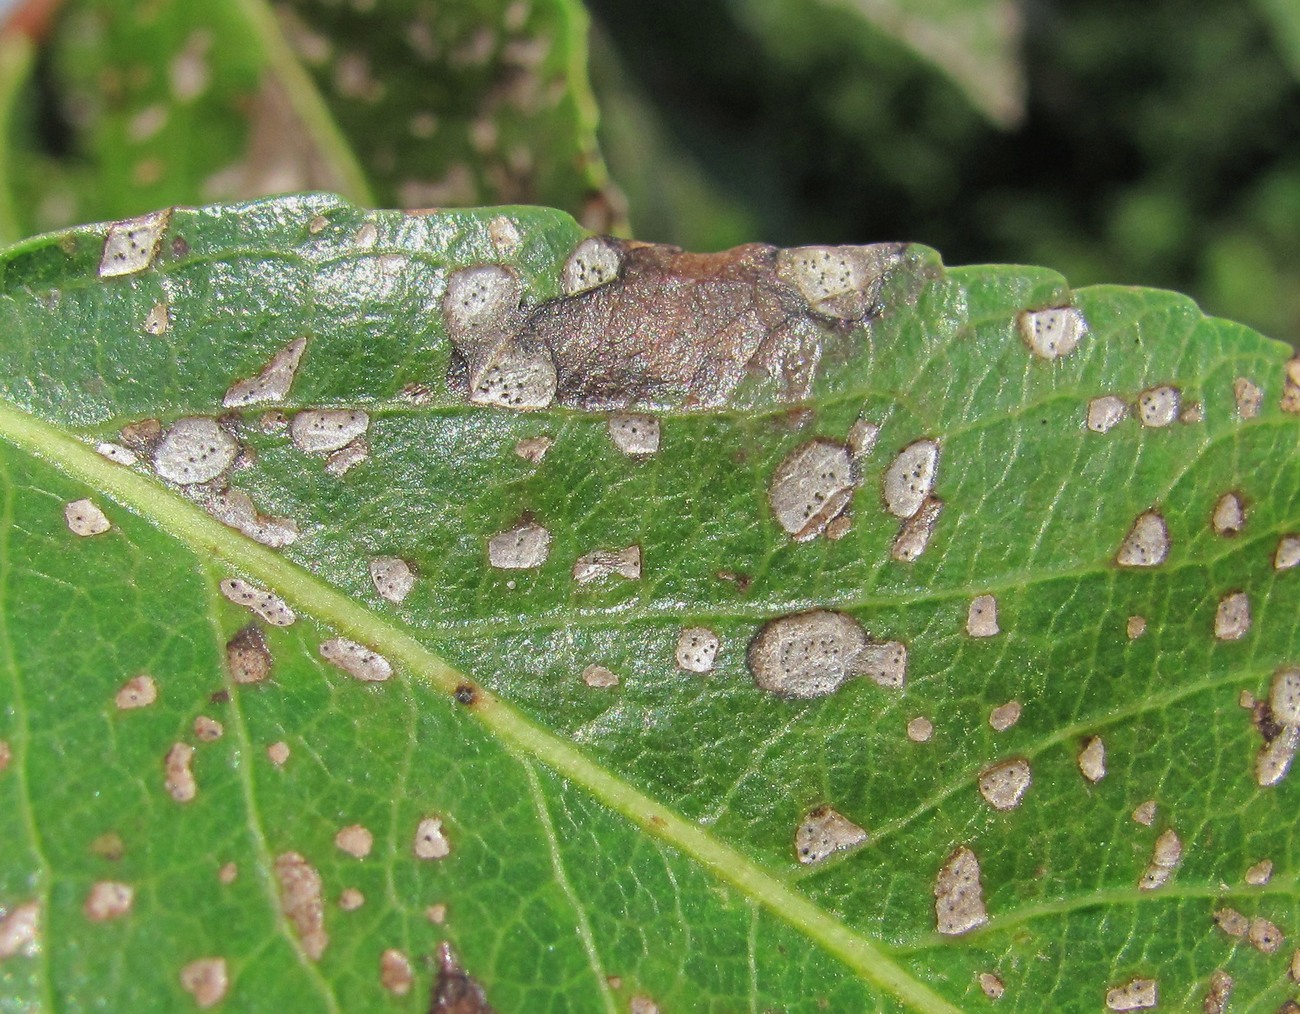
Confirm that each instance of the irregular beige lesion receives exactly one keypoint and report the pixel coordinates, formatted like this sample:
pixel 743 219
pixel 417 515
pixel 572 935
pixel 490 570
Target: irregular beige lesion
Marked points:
pixel 652 326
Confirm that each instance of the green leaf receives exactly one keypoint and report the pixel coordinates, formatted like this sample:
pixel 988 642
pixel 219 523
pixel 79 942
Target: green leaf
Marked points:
pixel 1284 20
pixel 635 840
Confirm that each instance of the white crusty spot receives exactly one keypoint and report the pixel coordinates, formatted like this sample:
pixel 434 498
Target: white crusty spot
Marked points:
pixel 1284 695
pixel 824 832
pixel 1158 406
pixel 1137 994
pixel 1092 759
pixel 1249 397
pixel 1166 856
pixel 697 648
pixel 920 729
pixel 319 431
pixel 910 478
pixel 317 224
pixel 430 841
pixel 392 577
pixel 356 840
pixel 84 518
pixel 594 262
pixel 367 236
pixel 1287 554
pixel 1293 972
pixel 302 902
pixel 915 533
pixel 1260 874
pixel 982 617
pixel 206 980
pixel 1145 813
pixel 1274 759
pixel 533 449
pixel 1229 515
pixel 1053 333
pixel 395 973
pixel 603 563
pixel 350 899
pixel 1264 935
pixel 513 377
pixel 132 245
pixel 637 436
pixel 598 676
pixel 1232 618
pixel 180 782
pixel 992 986
pixel 278 753
pixel 20 929
pixel 1147 542
pixel 1135 627
pixel 862 438
pixel 958 895
pixel 137 692
pixel 207 729
pixel 108 899
pixel 157 320
pixel 842 282
pixel 1218 994
pixel 194 450
pixel 521 548
pixel 811 487
pixel 1192 412
pixel 1231 922
pixel 346 458
pixel 356 660
pixel 884 664
pixel 481 296
pixel 1004 716
pixel 269 606
pixel 272 383
pixel 116 453
pixel 807 654
pixel 1004 784
pixel 235 509
pixel 1105 413
pixel 503 233
pixel 642 1005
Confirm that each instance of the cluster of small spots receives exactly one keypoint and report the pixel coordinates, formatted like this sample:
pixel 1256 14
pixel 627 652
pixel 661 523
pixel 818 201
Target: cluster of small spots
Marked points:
pixel 207 730
pixel 1137 994
pixel 116 453
pixel 1053 333
pixel 920 729
pixel 806 655
pixel 982 617
pixel 1092 759
pixel 1260 874
pixel 1145 813
pixel 1218 994
pixel 884 664
pixel 593 263
pixel 1232 618
pixel 958 895
pixel 108 899
pixel 1291 386
pixel 1287 554
pixel 915 532
pixel 1166 856
pixel 180 783
pixel 1003 785
pixel 84 518
pixel 862 438
pixel 992 986
pixel 206 980
pixel 533 449
pixel 637 436
pixel 272 383
pixel 1004 716
pixel 602 563
pixel 137 692
pixel 1135 627
pixel 356 660
pixel 247 656
pixel 697 648
pixel 278 753
pixel 1158 406
pixel 270 607
pixel 351 899
pixel 824 832
pixel 841 282
pixel 1229 516
pixel 811 487
pixel 521 548
pixel 228 873
pixel 356 840
pixel 302 903
pixel 504 234
pixel 910 478
pixel 598 676
pixel 392 577
pixel 194 450
pixel 1105 413
pixel 516 378
pixel 480 296
pixel 395 973
pixel 132 245
pixel 430 841
pixel 320 431
pixel 234 509
pixel 1147 542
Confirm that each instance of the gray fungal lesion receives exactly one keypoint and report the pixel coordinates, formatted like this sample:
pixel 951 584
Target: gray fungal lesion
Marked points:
pixel 647 325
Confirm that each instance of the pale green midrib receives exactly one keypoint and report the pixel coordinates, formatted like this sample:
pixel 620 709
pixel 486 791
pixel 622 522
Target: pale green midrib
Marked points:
pixel 256 827
pixel 204 535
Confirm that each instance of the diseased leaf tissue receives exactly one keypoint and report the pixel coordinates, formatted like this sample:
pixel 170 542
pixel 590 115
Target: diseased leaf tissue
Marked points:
pixel 886 558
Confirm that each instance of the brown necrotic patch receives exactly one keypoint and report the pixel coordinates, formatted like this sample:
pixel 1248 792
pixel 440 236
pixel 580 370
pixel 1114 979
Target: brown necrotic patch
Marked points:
pixel 454 991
